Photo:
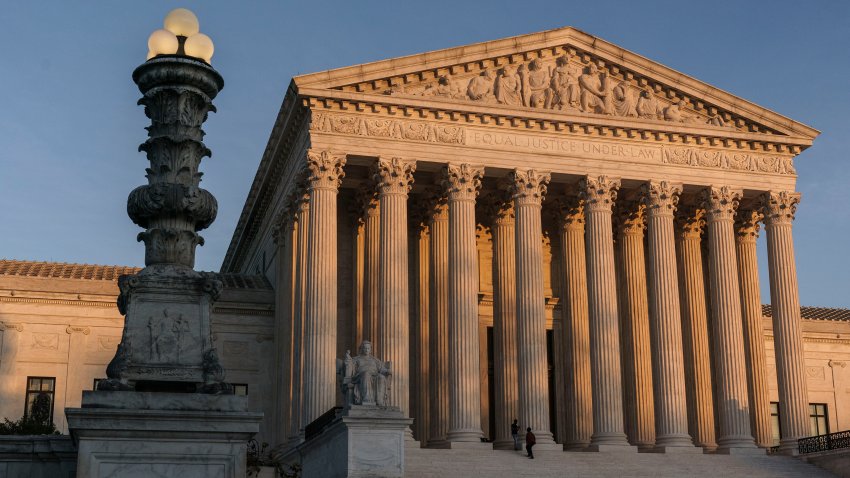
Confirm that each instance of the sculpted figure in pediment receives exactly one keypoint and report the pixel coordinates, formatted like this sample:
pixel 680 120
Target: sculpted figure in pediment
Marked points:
pixel 565 84
pixel 508 87
pixel 648 106
pixel 481 87
pixel 595 91
pixel 675 112
pixel 623 100
pixel 445 88
pixel 535 85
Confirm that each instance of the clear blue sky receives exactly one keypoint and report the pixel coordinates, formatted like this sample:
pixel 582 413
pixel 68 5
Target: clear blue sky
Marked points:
pixel 69 126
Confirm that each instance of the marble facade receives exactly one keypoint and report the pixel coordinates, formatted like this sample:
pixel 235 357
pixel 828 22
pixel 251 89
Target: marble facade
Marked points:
pixel 475 164
pixel 574 214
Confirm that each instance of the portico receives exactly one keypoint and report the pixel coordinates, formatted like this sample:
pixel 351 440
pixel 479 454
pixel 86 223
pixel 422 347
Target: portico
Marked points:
pixel 549 182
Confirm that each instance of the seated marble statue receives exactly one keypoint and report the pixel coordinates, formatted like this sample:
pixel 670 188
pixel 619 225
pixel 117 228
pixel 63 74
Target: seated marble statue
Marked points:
pixel 364 378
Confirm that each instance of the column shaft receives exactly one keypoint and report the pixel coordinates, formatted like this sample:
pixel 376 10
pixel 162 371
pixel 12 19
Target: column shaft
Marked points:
pixel 579 404
pixel 528 188
pixel 504 321
pixel 729 366
pixel 746 233
pixel 371 265
pixel 779 209
pixel 599 195
pixel 283 313
pixel 671 411
pixel 320 321
pixel 439 321
pixel 302 219
pixel 462 183
pixel 695 335
pixel 634 314
pixel 423 369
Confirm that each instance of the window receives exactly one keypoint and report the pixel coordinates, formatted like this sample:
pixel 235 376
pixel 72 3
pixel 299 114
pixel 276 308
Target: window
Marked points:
pixel 818 419
pixel 240 389
pixel 775 431
pixel 39 400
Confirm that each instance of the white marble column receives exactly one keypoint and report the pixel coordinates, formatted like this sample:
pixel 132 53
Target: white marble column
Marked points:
pixel 729 359
pixel 695 338
pixel 599 194
pixel 671 410
pixel 76 379
pixel 779 209
pixel 579 406
pixel 439 321
pixel 301 228
pixel 371 214
pixel 746 234
pixel 420 280
pixel 502 228
pixel 394 177
pixel 462 182
pixel 284 237
pixel 320 319
pixel 528 188
pixel 634 325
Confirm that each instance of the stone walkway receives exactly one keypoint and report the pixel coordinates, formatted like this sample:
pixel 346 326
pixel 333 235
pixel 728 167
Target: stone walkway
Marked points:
pixel 422 463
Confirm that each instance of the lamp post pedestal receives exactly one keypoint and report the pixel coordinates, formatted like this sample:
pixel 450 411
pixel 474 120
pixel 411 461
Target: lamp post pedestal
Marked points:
pixel 166 408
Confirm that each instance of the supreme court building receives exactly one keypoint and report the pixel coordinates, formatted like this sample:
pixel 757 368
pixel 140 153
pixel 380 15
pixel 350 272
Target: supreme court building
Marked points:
pixel 546 227
pixel 584 216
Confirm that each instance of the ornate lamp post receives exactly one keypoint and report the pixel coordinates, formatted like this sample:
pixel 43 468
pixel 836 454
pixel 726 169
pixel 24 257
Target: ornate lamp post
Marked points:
pixel 167 341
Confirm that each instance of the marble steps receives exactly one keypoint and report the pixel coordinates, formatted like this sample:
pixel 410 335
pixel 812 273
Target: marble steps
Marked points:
pixel 427 463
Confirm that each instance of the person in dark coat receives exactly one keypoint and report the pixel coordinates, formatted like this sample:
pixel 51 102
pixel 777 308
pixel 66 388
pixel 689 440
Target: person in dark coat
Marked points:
pixel 530 441
pixel 515 434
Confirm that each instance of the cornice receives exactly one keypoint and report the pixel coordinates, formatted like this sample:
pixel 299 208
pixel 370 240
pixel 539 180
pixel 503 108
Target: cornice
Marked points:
pixel 531 120
pixel 619 62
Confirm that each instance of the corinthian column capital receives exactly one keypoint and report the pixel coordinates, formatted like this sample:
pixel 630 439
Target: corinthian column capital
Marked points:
pixel 599 193
pixel 528 186
pixel 660 197
pixel 747 224
pixel 569 212
pixel 690 221
pixel 497 209
pixel 462 181
pixel 720 203
pixel 779 207
pixel 394 175
pixel 630 218
pixel 324 169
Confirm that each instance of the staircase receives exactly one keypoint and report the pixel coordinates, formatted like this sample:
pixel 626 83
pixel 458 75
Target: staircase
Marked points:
pixel 470 463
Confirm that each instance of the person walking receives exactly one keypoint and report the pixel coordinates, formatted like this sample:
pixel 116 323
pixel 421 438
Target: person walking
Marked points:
pixel 530 441
pixel 515 434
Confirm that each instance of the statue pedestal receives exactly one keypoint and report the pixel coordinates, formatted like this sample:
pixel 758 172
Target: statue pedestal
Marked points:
pixel 358 442
pixel 143 434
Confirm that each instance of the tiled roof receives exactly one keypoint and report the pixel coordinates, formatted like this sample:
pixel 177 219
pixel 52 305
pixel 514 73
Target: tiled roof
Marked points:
pixel 814 313
pixel 62 270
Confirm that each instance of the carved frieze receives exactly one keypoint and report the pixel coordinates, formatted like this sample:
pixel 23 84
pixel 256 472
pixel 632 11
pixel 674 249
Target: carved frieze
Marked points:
pixel 387 128
pixel 735 161
pixel 45 341
pixel 566 82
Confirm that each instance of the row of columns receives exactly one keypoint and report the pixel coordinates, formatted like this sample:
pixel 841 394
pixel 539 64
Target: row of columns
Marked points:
pixel 672 403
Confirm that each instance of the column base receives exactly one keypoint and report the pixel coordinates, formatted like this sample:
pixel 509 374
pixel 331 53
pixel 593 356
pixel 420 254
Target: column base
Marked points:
pixel 611 449
pixel 673 450
pixel 135 434
pixel 789 447
pixel 742 451
pixel 465 436
pixel 576 446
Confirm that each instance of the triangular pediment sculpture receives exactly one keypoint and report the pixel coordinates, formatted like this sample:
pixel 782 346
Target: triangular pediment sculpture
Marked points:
pixel 558 71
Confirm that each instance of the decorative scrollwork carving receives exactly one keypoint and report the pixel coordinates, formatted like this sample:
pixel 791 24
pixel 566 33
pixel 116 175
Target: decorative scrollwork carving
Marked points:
pixel 747 224
pixel 660 197
pixel 394 175
pixel 325 169
pixel 599 193
pixel 462 181
pixel 720 203
pixel 779 207
pixel 528 186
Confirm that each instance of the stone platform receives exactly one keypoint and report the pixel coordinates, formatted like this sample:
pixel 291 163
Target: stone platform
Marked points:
pixel 426 463
pixel 139 434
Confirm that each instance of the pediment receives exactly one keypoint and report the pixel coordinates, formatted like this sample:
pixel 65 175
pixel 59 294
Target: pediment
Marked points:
pixel 563 71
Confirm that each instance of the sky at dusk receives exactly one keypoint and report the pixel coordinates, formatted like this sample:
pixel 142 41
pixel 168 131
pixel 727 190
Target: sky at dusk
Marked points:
pixel 70 127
